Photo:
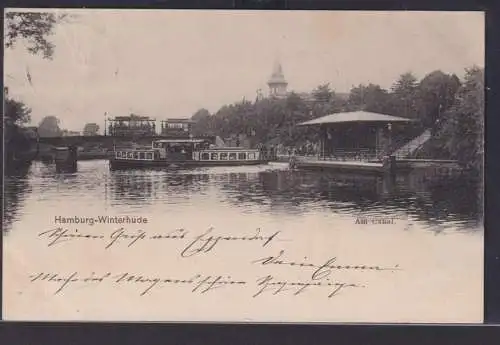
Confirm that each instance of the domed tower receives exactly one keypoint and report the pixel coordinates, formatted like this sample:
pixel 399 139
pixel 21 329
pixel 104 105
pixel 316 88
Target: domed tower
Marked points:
pixel 277 83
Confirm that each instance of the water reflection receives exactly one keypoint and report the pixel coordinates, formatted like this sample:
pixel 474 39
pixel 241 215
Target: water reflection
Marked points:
pixel 415 195
pixel 152 186
pixel 16 189
pixel 271 190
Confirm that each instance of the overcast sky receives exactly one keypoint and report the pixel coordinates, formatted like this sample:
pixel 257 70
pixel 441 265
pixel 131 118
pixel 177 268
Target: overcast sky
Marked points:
pixel 171 63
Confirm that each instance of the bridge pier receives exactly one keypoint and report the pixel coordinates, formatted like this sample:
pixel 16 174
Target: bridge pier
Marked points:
pixel 65 159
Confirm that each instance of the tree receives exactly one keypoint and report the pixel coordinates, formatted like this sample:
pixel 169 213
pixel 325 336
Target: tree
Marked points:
pixel 323 93
pixel 462 129
pixel 49 127
pixel 436 95
pixel 90 129
pixel 34 28
pixel 404 96
pixel 370 97
pixel 200 115
pixel 16 113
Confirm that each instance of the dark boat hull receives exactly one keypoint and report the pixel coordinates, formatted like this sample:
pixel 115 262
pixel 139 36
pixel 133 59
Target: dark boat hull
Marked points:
pixel 116 164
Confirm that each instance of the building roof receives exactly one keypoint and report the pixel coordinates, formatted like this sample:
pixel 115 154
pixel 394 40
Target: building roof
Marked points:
pixel 355 116
pixel 277 77
pixel 179 120
pixel 132 118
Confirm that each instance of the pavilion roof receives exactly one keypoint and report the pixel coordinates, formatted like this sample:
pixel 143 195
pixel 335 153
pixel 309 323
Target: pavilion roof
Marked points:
pixel 355 116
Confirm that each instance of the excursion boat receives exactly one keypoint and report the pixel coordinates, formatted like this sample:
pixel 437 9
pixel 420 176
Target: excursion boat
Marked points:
pixel 179 153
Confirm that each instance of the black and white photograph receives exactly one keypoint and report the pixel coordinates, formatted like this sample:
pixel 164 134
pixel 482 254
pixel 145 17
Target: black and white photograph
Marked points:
pixel 243 166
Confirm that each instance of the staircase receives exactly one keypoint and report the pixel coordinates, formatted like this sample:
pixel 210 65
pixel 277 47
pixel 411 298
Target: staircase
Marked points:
pixel 409 148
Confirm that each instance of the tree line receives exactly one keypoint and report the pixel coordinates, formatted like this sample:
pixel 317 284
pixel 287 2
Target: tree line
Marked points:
pixel 452 108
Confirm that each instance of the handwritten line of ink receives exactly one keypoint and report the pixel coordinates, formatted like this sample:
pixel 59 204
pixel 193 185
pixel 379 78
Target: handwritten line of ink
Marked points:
pixel 321 271
pixel 204 243
pixel 198 283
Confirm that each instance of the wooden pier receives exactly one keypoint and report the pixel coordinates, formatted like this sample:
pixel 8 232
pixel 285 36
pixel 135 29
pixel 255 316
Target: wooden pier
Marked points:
pixel 391 165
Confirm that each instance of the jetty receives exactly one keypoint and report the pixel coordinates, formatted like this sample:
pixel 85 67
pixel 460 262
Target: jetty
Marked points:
pixel 366 142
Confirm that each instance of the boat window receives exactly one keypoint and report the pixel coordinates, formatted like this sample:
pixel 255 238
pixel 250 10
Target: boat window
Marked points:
pixel 232 156
pixel 118 154
pixel 251 156
pixel 214 156
pixel 136 155
pixel 149 155
pixel 130 155
pixel 205 156
pixel 223 156
pixel 142 155
pixel 242 156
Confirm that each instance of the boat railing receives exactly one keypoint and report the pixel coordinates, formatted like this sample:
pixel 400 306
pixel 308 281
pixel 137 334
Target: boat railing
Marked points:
pixel 220 154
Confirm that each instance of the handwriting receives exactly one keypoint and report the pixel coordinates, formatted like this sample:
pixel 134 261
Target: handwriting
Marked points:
pixel 65 281
pixel 269 283
pixel 205 243
pixel 321 271
pixel 59 235
pixel 196 283
pixel 199 244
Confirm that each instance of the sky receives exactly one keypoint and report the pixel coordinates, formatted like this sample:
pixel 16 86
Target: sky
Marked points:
pixel 168 64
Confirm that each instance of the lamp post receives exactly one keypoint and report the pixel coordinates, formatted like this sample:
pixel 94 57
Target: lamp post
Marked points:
pixel 389 137
pixel 105 116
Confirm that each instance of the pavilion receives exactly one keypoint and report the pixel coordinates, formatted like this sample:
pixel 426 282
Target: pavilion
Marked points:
pixel 360 135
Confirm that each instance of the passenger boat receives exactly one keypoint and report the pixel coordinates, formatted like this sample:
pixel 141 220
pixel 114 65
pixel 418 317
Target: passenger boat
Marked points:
pixel 178 153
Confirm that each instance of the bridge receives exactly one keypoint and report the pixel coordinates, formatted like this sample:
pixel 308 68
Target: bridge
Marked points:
pixel 104 141
pixel 95 146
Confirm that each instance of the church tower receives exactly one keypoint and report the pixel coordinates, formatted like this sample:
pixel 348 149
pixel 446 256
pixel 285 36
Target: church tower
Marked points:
pixel 277 83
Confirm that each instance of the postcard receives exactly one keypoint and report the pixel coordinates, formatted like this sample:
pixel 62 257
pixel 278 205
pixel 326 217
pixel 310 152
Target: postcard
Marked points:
pixel 243 166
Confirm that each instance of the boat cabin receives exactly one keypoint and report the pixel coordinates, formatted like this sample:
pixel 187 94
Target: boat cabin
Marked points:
pixel 187 149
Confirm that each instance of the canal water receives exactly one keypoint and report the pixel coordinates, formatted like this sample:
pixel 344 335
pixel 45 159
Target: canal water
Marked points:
pixel 430 229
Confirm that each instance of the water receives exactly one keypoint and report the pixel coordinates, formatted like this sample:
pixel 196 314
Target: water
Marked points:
pixel 435 233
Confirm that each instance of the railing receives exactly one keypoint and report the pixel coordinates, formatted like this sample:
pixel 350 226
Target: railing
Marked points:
pixel 361 155
pixel 131 131
pixel 410 147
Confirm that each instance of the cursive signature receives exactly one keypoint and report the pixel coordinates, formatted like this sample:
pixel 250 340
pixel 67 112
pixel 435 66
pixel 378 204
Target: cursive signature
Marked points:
pixel 321 271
